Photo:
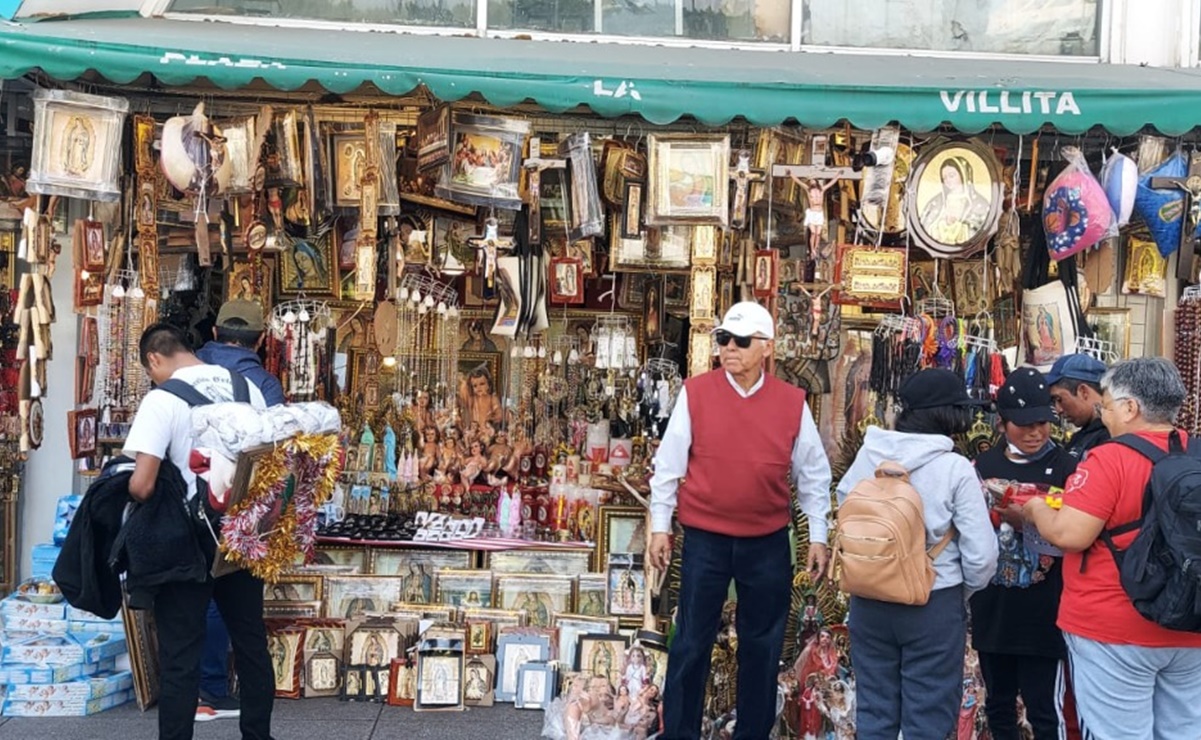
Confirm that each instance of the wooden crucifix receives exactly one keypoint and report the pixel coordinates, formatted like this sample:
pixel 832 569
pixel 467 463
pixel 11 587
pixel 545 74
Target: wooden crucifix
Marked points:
pixel 487 247
pixel 742 176
pixel 535 164
pixel 1190 185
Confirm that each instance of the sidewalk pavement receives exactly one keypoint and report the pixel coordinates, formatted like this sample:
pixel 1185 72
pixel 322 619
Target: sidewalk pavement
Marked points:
pixel 307 719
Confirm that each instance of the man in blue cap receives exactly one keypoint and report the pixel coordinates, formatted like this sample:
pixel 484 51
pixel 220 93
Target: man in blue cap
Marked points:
pixel 1075 382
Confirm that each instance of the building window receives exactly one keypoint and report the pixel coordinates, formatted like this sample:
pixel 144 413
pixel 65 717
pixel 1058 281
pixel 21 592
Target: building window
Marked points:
pixel 1046 27
pixel 451 13
pixel 714 20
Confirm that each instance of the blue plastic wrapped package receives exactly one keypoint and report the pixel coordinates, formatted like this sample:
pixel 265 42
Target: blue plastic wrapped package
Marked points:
pixel 1162 210
pixel 1119 177
pixel 67 506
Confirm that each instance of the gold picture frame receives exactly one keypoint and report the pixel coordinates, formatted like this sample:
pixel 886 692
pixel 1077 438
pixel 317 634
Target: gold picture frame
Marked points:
pixel 620 529
pixel 689 179
pixel 1112 325
pixel 590 594
pixel 295 587
pixel 539 596
pixel 456 587
pixel 539 561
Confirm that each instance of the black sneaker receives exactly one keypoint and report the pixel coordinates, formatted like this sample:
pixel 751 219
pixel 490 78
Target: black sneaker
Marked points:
pixel 217 707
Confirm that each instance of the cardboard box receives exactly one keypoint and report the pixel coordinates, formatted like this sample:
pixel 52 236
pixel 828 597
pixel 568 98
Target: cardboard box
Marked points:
pixel 79 615
pixel 64 708
pixel 96 687
pixel 106 628
pixel 66 650
pixel 15 674
pixel 38 625
pixel 44 556
pixel 11 606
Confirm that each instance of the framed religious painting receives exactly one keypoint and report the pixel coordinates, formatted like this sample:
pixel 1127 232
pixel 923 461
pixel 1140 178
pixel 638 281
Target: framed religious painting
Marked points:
pixel 308 267
pixel 143 142
pixel 621 164
pixel 286 648
pixel 479 637
pixel 765 278
pixel 701 350
pixel 433 137
pixel 292 609
pixel 971 288
pixel 421 563
pixel 499 618
pixel 590 594
pixel 294 587
pixel 850 381
pixel 653 250
pixel 512 652
pixel 955 197
pixel 468 588
pixel 479 680
pixel 631 215
pixel 251 281
pixel 348 155
pixel 602 656
pixel 704 294
pixel 1005 321
pixel 652 310
pixel 240 138
pixel 402 682
pixel 81 429
pixel 930 279
pixel 76 145
pixel 570 627
pixel 347 597
pixel 627 584
pixel 142 640
pixel 622 529
pixel 689 179
pixel 675 291
pixel 538 561
pixel 485 161
pixel 93 245
pixel 567 281
pixel 535 686
pixel 1112 325
pixel 1146 270
pixel 539 596
pixel 89 288
pixel 705 241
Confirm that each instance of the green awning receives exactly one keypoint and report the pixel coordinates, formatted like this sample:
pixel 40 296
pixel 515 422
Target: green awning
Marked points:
pixel 659 84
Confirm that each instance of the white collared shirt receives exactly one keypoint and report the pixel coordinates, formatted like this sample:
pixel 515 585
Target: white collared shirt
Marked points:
pixel 810 468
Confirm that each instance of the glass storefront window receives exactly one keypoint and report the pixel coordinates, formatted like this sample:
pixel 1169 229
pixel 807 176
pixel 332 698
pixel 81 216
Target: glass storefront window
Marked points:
pixel 453 13
pixel 1048 27
pixel 716 20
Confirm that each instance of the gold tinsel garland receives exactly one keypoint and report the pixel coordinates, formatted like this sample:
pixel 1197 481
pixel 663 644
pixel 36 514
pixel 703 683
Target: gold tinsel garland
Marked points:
pixel 312 461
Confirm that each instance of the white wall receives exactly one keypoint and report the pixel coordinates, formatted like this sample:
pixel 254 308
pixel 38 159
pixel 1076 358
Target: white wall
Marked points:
pixel 50 472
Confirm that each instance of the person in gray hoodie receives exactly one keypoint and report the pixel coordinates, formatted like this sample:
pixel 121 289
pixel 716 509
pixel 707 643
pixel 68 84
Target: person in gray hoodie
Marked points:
pixel 908 660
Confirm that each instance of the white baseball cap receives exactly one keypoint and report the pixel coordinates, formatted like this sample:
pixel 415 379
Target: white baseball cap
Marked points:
pixel 748 319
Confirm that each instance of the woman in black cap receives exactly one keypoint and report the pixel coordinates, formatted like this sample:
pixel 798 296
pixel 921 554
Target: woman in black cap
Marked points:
pixel 1021 650
pixel 909 659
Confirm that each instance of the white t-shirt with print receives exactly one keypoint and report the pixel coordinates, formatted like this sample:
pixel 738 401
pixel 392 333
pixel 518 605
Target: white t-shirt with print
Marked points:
pixel 164 421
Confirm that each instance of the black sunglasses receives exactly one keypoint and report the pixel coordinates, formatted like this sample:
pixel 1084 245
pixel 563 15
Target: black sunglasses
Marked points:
pixel 723 338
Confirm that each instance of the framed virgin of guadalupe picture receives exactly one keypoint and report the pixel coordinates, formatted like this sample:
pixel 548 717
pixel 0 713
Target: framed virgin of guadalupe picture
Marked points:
pixel 76 145
pixel 955 197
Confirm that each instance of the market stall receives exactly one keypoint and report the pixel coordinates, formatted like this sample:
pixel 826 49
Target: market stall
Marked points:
pixel 502 301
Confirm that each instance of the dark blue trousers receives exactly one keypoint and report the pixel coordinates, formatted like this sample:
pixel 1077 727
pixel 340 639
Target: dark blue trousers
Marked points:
pixel 761 568
pixel 214 666
pixel 908 663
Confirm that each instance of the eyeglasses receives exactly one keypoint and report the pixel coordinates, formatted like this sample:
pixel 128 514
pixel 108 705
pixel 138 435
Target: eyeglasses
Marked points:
pixel 723 338
pixel 1100 407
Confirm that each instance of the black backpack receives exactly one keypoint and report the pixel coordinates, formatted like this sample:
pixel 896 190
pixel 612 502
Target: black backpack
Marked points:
pixel 193 398
pixel 1161 570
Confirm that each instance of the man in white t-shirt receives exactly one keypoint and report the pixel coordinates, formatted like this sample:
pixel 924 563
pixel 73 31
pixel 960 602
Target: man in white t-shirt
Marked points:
pixel 161 430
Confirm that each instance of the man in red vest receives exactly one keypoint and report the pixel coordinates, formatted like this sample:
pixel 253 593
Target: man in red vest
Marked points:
pixel 737 439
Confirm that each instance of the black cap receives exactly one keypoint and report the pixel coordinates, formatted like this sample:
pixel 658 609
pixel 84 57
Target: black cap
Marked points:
pixel 934 387
pixel 1025 398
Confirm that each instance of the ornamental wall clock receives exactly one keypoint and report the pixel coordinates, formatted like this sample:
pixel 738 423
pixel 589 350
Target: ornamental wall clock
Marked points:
pixel 954 197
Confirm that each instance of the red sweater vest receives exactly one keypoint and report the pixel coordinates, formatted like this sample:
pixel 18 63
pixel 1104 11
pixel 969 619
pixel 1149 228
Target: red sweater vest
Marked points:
pixel 740 461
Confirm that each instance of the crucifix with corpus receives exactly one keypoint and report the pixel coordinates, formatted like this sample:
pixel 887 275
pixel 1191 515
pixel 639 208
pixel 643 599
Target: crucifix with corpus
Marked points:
pixel 487 247
pixel 817 180
pixel 535 164
pixel 742 176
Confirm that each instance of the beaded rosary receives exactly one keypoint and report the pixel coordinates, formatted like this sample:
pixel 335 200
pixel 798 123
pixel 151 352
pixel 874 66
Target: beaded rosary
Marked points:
pixel 1188 356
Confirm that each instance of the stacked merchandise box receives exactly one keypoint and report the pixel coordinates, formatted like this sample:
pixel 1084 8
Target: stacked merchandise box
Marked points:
pixel 105 690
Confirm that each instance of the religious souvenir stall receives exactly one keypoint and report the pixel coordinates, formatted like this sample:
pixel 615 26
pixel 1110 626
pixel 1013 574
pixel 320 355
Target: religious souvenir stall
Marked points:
pixel 502 305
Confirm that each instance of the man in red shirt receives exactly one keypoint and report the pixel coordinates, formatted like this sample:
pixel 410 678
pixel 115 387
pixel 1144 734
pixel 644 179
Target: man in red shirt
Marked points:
pixel 1133 678
pixel 737 440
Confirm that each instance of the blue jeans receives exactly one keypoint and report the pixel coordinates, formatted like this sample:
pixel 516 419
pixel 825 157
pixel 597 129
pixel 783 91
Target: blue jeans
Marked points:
pixel 1130 692
pixel 908 663
pixel 761 568
pixel 214 664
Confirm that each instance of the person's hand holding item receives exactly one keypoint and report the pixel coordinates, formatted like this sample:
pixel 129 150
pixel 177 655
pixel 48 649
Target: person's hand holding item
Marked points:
pixel 660 550
pixel 819 559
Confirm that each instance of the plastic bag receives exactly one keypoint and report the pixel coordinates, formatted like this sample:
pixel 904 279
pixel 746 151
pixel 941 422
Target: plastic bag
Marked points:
pixel 1076 211
pixel 1119 177
pixel 1163 210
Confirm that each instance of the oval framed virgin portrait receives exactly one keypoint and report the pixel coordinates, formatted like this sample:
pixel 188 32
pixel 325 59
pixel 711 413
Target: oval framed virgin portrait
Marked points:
pixel 954 197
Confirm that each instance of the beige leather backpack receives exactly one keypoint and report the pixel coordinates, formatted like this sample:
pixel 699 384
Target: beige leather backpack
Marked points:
pixel 880 540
